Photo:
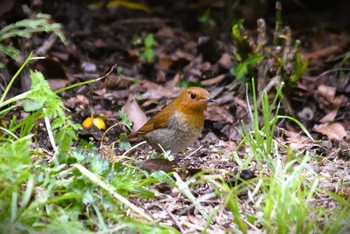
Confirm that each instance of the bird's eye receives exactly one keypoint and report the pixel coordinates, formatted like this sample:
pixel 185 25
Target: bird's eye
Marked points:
pixel 193 95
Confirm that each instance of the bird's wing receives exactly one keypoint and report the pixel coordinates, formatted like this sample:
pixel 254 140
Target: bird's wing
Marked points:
pixel 160 120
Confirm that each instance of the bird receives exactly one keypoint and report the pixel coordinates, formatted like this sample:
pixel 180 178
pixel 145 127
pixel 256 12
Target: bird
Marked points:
pixel 179 124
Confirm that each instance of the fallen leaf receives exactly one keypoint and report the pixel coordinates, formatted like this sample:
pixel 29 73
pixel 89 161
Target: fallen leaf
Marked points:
pixel 214 80
pixel 216 92
pixel 296 140
pixel 114 81
pixel 56 84
pixel 161 76
pixel 165 62
pixel 100 92
pixel 335 131
pixel 226 61
pixel 61 56
pixel 326 91
pixel 329 117
pixel 218 114
pixel 159 164
pixel 135 113
pixel 156 92
pixel 166 32
pixel 77 100
pixel 322 53
pixel 183 55
pixel 114 95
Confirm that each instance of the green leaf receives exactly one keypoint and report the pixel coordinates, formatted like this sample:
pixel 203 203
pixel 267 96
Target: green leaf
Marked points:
pixel 149 41
pixel 26 28
pixel 99 165
pixel 206 18
pixel 64 139
pixel 254 59
pixel 149 54
pixel 124 145
pixel 32 105
pixel 240 71
pixel 124 119
pixel 123 137
pixel 16 153
pixel 236 31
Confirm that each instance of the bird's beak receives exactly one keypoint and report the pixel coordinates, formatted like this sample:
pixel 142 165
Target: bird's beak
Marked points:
pixel 210 100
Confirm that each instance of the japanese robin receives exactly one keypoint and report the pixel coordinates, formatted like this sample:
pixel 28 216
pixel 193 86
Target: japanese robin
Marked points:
pixel 179 124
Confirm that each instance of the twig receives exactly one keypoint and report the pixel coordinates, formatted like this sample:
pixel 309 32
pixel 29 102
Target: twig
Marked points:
pixel 175 221
pixel 274 82
pixel 200 147
pixel 132 148
pixel 86 82
pixel 42 50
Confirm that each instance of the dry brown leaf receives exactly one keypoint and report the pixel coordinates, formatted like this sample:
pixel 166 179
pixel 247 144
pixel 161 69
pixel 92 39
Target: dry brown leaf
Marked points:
pixel 114 81
pixel 77 100
pixel 159 164
pixel 183 55
pixel 335 131
pixel 326 92
pixel 296 140
pixel 59 55
pixel 175 81
pixel 165 62
pixel 100 92
pixel 135 113
pixel 161 76
pixel 226 61
pixel 322 53
pixel 214 80
pixel 218 114
pixel 329 117
pixel 241 102
pixel 166 32
pixel 115 95
pixel 56 84
pixel 155 91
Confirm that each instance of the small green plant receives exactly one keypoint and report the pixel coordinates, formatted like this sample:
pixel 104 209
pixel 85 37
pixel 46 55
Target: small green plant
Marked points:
pixel 44 104
pixel 146 50
pixel 270 65
pixel 26 28
pixel 207 19
pixel 261 138
pixel 124 120
pixel 247 59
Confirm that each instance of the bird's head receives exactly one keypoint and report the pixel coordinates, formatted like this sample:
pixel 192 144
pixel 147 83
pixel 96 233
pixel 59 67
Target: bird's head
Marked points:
pixel 192 100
